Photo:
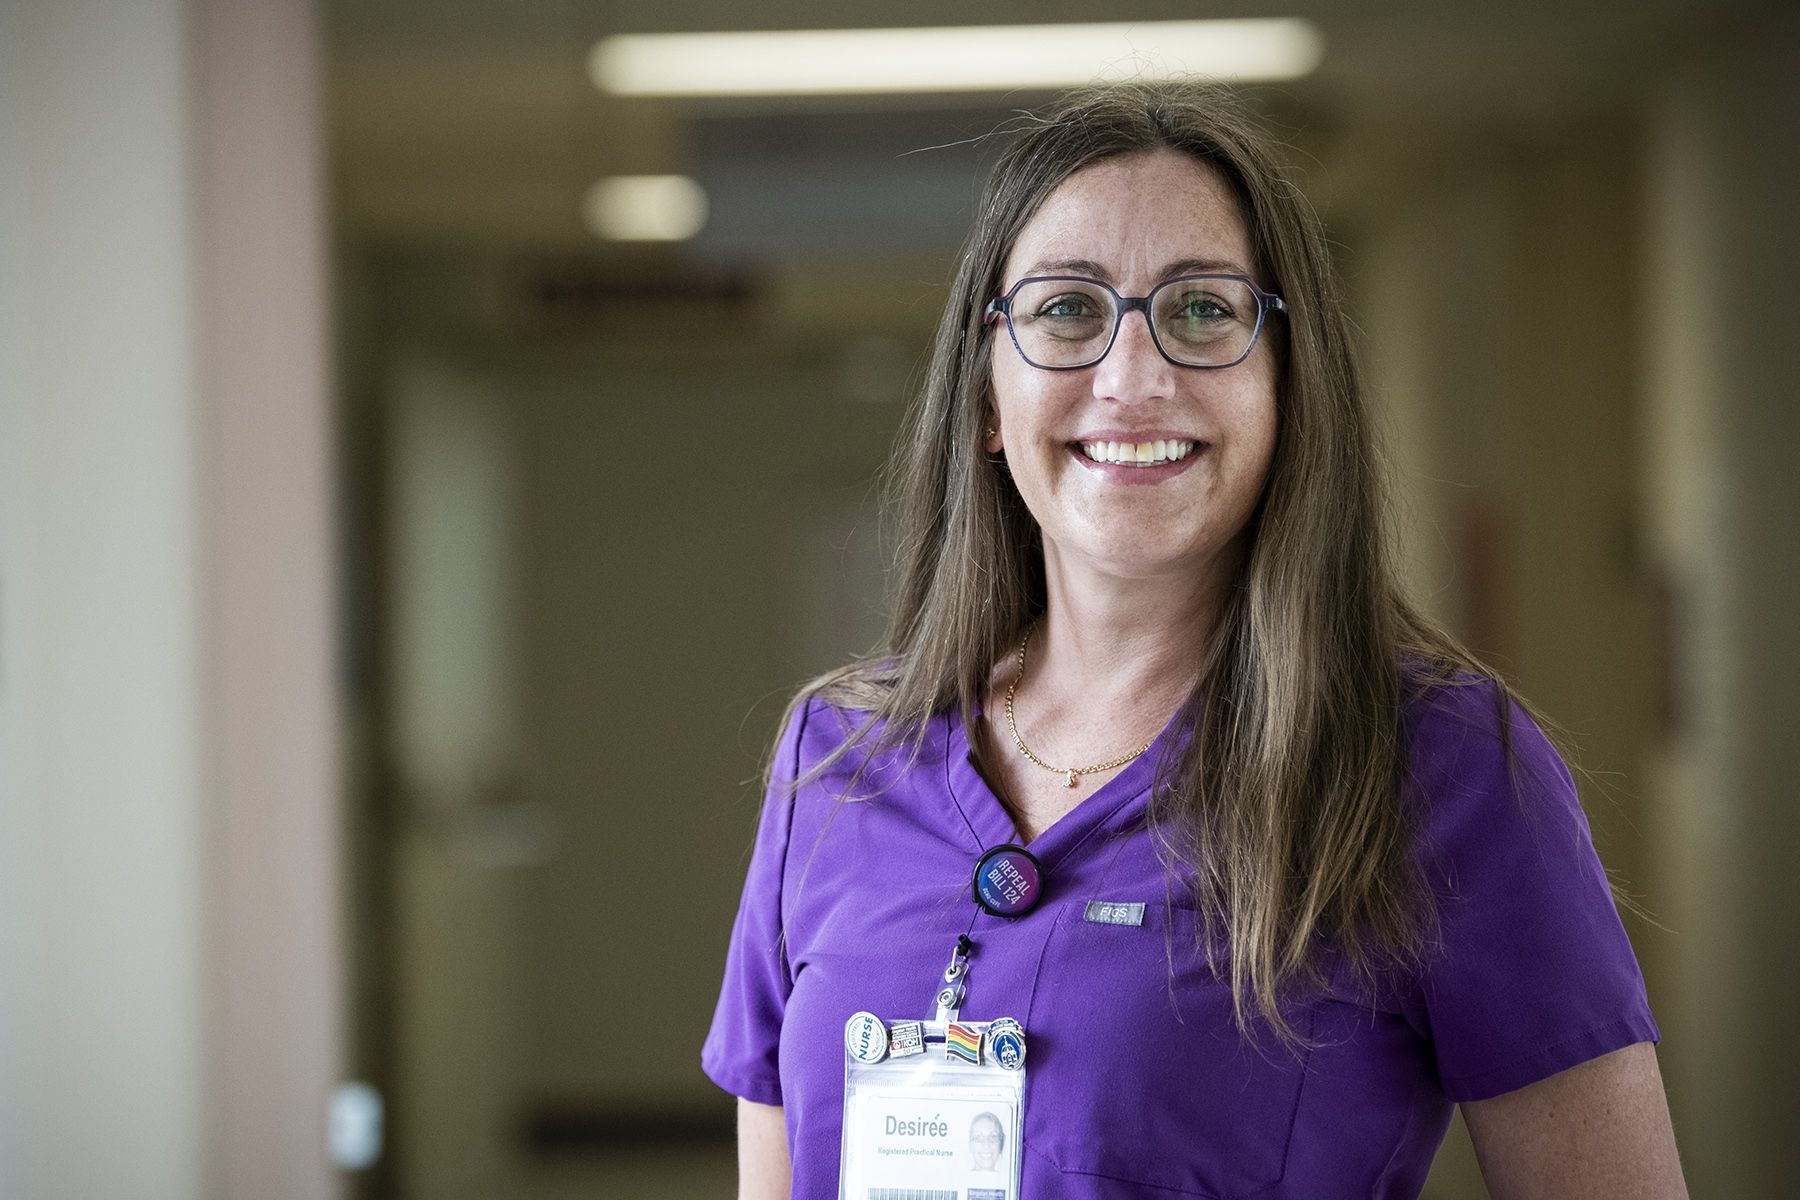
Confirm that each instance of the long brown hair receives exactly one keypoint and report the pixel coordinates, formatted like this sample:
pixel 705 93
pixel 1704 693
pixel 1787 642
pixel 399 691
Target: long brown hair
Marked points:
pixel 1284 813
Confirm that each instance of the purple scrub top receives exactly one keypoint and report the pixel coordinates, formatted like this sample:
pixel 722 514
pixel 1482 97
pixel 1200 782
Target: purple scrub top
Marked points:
pixel 1138 1083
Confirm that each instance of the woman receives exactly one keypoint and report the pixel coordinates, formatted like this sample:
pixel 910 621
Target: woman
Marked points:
pixel 1313 875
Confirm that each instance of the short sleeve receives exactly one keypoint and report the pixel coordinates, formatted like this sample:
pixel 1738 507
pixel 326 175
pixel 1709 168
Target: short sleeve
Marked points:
pixel 1533 972
pixel 742 1050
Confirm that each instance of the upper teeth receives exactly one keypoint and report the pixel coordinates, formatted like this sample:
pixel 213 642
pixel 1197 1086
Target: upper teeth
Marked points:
pixel 1137 453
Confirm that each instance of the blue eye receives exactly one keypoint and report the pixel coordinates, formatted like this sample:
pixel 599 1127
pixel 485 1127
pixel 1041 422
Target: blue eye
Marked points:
pixel 1057 311
pixel 1200 316
pixel 1200 306
pixel 1067 306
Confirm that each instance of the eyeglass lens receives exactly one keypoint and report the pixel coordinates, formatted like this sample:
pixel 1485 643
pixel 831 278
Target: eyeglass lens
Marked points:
pixel 1201 322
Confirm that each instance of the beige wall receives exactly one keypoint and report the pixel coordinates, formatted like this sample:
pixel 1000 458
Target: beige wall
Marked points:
pixel 102 712
pixel 168 982
pixel 1722 180
pixel 668 543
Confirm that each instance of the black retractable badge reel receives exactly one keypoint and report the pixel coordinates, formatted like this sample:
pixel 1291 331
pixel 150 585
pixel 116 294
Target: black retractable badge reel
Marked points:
pixel 1009 881
pixel 936 1108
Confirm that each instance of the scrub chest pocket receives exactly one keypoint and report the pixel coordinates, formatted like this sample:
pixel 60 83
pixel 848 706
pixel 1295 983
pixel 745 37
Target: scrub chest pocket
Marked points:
pixel 1143 1043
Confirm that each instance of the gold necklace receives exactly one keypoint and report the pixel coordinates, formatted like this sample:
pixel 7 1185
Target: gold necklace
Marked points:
pixel 1071 775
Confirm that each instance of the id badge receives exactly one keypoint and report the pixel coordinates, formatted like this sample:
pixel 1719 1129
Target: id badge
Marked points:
pixel 933 1110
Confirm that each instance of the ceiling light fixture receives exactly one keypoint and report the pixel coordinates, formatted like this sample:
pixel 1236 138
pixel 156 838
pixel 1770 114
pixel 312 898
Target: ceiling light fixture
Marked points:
pixel 971 58
pixel 645 208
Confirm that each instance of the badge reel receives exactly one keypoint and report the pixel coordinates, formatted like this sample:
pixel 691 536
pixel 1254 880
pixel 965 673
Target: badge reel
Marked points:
pixel 935 1108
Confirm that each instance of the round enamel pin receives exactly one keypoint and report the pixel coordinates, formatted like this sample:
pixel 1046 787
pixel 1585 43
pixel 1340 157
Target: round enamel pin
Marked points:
pixel 1006 1044
pixel 865 1038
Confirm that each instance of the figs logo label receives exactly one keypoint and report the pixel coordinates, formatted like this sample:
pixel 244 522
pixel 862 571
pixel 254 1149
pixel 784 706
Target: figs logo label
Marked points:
pixel 1113 912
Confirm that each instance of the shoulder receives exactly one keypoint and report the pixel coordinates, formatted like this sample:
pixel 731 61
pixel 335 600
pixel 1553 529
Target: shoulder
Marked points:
pixel 828 742
pixel 1458 726
pixel 1481 776
pixel 1440 699
pixel 1530 971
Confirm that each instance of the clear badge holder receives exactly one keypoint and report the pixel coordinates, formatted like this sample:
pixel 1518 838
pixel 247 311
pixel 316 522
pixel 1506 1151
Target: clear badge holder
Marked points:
pixel 933 1110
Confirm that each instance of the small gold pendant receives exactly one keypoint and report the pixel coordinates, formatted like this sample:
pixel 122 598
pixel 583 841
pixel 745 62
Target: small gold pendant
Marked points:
pixel 1074 779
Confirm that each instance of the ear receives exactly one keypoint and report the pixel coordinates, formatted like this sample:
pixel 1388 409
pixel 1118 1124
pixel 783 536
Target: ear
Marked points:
pixel 993 442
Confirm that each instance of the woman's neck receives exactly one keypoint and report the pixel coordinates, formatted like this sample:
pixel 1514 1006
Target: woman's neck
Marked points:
pixel 1111 637
pixel 1112 660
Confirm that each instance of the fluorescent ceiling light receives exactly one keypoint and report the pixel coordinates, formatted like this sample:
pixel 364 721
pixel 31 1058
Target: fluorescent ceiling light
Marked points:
pixel 951 59
pixel 645 208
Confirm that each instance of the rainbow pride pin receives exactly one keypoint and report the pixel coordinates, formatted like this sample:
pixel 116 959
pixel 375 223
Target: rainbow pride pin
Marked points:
pixel 962 1042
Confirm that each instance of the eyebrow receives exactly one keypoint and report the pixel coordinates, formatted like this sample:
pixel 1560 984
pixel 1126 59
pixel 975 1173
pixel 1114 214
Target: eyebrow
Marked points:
pixel 1181 266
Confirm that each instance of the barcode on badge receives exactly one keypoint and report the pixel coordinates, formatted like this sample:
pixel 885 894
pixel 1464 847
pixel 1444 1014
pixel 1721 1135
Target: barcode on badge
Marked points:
pixel 911 1194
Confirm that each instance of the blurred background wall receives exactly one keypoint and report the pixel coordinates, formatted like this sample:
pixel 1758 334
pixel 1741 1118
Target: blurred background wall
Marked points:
pixel 171 950
pixel 400 582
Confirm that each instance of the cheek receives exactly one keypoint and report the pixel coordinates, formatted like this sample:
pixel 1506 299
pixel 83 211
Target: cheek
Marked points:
pixel 1006 386
pixel 1268 432
pixel 1255 430
pixel 1259 419
pixel 1017 397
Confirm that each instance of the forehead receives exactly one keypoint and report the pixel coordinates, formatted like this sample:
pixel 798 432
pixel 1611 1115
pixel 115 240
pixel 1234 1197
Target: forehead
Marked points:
pixel 1132 216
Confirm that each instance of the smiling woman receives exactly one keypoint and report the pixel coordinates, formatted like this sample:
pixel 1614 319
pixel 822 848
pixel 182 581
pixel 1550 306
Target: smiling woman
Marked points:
pixel 1308 873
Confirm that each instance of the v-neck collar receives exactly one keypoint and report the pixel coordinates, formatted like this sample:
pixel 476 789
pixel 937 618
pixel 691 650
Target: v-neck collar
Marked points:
pixel 987 818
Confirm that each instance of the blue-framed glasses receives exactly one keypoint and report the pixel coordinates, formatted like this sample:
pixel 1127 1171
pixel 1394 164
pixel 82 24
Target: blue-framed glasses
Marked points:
pixel 1066 322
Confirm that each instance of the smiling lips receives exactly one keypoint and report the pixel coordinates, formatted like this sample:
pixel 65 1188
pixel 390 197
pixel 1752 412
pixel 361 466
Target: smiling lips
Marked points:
pixel 1138 454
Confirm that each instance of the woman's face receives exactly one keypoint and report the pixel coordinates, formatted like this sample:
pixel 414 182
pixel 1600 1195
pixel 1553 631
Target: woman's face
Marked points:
pixel 1133 222
pixel 986 1142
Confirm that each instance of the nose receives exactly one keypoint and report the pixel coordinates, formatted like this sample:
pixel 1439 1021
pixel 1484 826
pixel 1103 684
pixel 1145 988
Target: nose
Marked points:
pixel 1134 369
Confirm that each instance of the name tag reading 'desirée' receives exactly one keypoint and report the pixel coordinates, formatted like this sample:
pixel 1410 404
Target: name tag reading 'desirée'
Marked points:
pixel 933 1125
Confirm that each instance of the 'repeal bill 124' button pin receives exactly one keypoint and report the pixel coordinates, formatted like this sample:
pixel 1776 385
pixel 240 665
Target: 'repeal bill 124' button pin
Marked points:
pixel 1005 1040
pixel 865 1038
pixel 1008 881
